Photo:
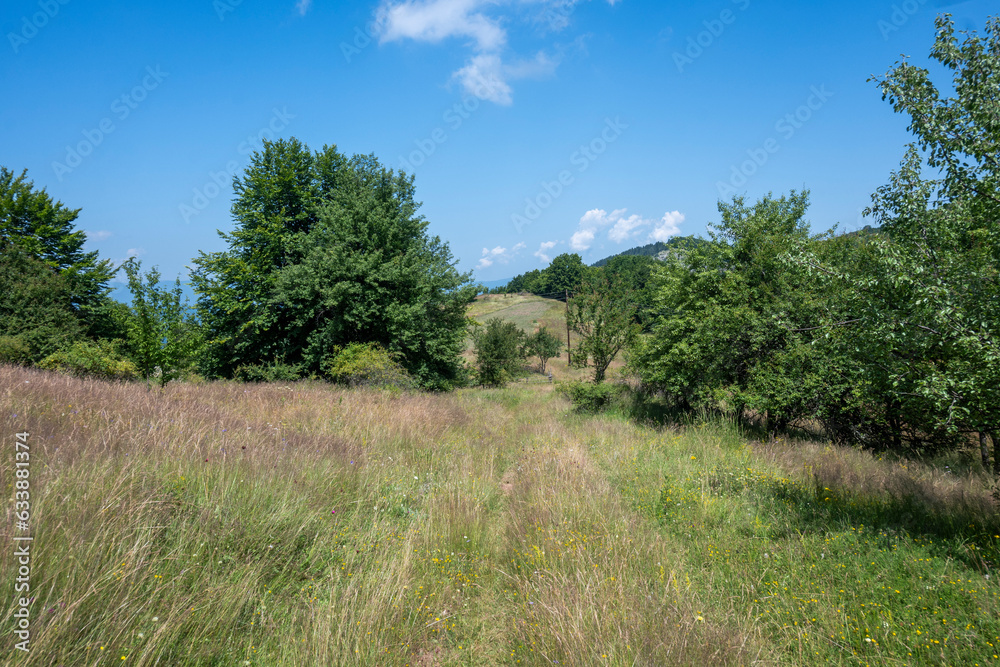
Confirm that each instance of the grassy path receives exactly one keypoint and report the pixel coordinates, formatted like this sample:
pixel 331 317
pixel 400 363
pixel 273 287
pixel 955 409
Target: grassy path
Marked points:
pixel 301 525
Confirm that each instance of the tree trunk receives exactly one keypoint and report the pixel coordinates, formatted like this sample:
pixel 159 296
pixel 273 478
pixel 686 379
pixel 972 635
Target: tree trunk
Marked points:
pixel 984 450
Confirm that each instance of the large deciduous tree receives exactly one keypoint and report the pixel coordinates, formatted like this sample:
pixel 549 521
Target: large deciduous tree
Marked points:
pixel 42 228
pixel 330 251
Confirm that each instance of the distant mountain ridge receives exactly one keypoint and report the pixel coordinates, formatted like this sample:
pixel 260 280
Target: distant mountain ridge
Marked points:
pixel 656 249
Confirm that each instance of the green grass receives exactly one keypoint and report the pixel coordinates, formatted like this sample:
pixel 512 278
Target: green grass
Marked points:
pixel 829 571
pixel 477 528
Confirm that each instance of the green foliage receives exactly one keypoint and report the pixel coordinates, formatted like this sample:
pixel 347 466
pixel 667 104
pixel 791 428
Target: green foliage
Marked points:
pixel 728 308
pixel 43 229
pixel 274 371
pixel 14 350
pixel 330 251
pixel 564 273
pixel 85 358
pixel 591 397
pixel 163 337
pixel 603 312
pixel 917 305
pixel 499 348
pixel 366 365
pixel 674 244
pixel 36 312
pixel 543 345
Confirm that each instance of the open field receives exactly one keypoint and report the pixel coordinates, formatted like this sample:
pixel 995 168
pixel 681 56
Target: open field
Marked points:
pixel 229 524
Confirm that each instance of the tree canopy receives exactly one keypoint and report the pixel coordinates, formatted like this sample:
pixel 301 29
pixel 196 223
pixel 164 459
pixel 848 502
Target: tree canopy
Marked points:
pixel 329 251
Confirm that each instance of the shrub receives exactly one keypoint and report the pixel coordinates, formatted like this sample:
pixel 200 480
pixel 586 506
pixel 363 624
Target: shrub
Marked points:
pixel 589 397
pixel 14 350
pixel 85 358
pixel 276 371
pixel 366 365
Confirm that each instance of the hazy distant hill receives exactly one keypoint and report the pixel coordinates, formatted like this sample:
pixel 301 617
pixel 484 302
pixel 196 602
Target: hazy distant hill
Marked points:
pixel 654 249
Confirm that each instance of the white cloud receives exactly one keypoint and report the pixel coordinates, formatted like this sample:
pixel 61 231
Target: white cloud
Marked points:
pixel 543 251
pixel 436 20
pixel 622 227
pixel 488 72
pixel 484 77
pixel 303 6
pixel 135 252
pixel 668 226
pixel 582 240
pixel 98 235
pixel 498 254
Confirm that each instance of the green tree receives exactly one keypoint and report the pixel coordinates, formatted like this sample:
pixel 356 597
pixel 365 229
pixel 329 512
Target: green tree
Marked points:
pixel 727 310
pixel 162 336
pixel 635 272
pixel 43 228
pixel 276 198
pixel 330 251
pixel 924 296
pixel 603 313
pixel 543 345
pixel 565 272
pixel 499 348
pixel 36 311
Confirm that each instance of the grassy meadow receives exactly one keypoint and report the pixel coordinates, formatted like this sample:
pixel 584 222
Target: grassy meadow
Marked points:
pixel 229 524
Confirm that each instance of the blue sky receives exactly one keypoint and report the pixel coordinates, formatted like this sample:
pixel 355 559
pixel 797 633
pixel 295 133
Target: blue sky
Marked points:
pixel 533 127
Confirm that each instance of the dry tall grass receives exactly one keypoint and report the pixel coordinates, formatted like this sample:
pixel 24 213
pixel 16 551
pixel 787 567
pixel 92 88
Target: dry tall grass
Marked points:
pixel 301 524
pixel 228 524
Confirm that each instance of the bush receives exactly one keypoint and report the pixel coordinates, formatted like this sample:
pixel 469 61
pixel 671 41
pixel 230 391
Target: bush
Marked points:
pixel 366 365
pixel 499 352
pixel 14 350
pixel 276 371
pixel 85 358
pixel 589 397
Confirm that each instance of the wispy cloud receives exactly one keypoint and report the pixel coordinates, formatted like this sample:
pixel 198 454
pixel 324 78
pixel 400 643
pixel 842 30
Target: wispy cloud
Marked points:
pixel 668 226
pixel 543 251
pixel 622 227
pixel 98 235
pixel 498 254
pixel 489 70
pixel 303 6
